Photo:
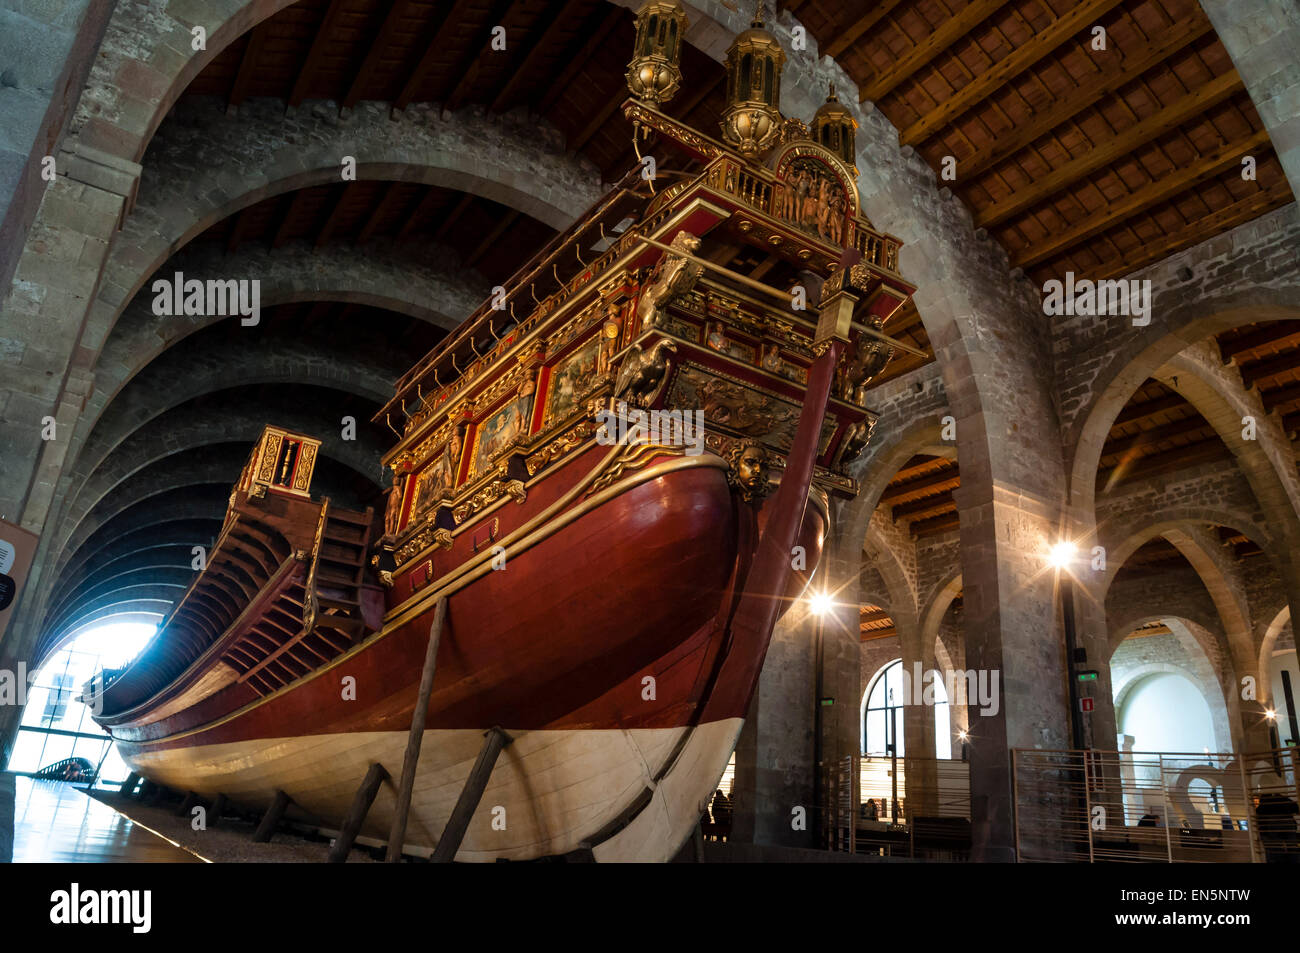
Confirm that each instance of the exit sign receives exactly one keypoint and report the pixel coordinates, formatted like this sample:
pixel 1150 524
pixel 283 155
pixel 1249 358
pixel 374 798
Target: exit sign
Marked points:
pixel 1088 676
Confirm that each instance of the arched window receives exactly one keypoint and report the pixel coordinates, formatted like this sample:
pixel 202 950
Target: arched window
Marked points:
pixel 55 726
pixel 882 716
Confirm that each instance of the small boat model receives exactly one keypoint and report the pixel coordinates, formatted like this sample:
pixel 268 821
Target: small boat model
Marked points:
pixel 599 510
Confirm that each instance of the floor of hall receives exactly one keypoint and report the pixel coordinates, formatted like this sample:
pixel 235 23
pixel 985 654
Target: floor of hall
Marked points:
pixel 56 822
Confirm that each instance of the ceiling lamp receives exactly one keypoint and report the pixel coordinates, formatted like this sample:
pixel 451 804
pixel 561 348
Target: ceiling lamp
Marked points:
pixel 834 127
pixel 655 74
pixel 752 121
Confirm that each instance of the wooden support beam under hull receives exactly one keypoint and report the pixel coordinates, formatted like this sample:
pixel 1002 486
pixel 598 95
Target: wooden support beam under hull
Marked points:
pixel 495 741
pixel 271 819
pixel 351 826
pixel 418 718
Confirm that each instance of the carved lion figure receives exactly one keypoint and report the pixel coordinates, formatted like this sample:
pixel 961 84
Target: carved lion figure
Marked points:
pixel 673 276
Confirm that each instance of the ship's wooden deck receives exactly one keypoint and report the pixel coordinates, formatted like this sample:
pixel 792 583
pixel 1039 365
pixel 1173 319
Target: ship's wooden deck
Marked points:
pixel 55 822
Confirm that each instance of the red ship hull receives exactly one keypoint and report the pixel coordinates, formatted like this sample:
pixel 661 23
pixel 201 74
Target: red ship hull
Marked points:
pixel 596 648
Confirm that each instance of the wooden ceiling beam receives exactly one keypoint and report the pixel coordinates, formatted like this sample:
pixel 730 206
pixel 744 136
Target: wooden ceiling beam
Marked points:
pixel 929 504
pixel 1076 100
pixel 1193 105
pixel 580 57
pixel 931 482
pixel 904 472
pixel 1179 428
pixel 336 213
pixel 1282 395
pixel 876 615
pixel 381 209
pixel 244 76
pixel 1194 232
pixel 849 35
pixel 945 35
pixel 1203 451
pixel 597 122
pixel 1135 412
pixel 375 52
pixel 471 64
pixel 1213 163
pixel 1258 370
pixel 293 208
pixel 1271 334
pixel 870 635
pixel 491 237
pixel 524 72
pixel 428 202
pixel 447 223
pixel 436 45
pixel 238 229
pixel 316 54
pixel 935 525
pixel 1080 17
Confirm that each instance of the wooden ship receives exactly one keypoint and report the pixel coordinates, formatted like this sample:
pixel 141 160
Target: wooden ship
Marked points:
pixel 547 644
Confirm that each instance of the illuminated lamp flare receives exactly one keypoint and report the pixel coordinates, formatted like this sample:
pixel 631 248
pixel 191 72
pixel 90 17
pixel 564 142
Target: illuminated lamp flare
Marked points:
pixel 1062 555
pixel 821 603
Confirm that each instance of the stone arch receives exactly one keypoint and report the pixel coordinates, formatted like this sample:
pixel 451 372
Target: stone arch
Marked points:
pixel 1124 372
pixel 881 461
pixel 937 606
pixel 173 381
pixel 1276 626
pixel 141 608
pixel 1229 601
pixel 932 614
pixel 884 557
pixel 416 280
pixel 179 427
pixel 1214 700
pixel 282 154
pixel 1159 523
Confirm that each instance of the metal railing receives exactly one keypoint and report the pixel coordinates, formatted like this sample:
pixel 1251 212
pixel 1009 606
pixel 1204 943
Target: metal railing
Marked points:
pixel 911 807
pixel 1162 807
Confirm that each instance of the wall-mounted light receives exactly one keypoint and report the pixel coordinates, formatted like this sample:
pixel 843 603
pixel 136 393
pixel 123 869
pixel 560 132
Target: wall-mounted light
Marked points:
pixel 820 603
pixel 1062 554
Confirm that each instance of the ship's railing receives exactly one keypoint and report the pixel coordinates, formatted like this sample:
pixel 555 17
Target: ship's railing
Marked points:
pixel 756 188
pixel 521 280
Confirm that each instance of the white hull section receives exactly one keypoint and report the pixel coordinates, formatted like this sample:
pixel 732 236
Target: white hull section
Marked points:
pixel 549 792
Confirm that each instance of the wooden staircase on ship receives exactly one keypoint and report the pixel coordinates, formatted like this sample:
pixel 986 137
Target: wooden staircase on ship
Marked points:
pixel 282 592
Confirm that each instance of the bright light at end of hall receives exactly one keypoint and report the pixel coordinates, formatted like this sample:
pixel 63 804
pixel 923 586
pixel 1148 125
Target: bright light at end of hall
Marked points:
pixel 1062 554
pixel 820 603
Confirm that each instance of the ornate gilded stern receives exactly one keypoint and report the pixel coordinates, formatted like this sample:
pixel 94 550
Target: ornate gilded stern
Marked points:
pixel 282 462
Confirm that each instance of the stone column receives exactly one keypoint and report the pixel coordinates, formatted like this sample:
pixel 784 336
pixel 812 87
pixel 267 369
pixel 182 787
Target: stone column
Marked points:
pixel 1010 631
pixel 1262 37
pixel 774 757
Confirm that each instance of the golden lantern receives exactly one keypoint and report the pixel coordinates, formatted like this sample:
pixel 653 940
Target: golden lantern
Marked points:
pixel 655 75
pixel 834 127
pixel 752 121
